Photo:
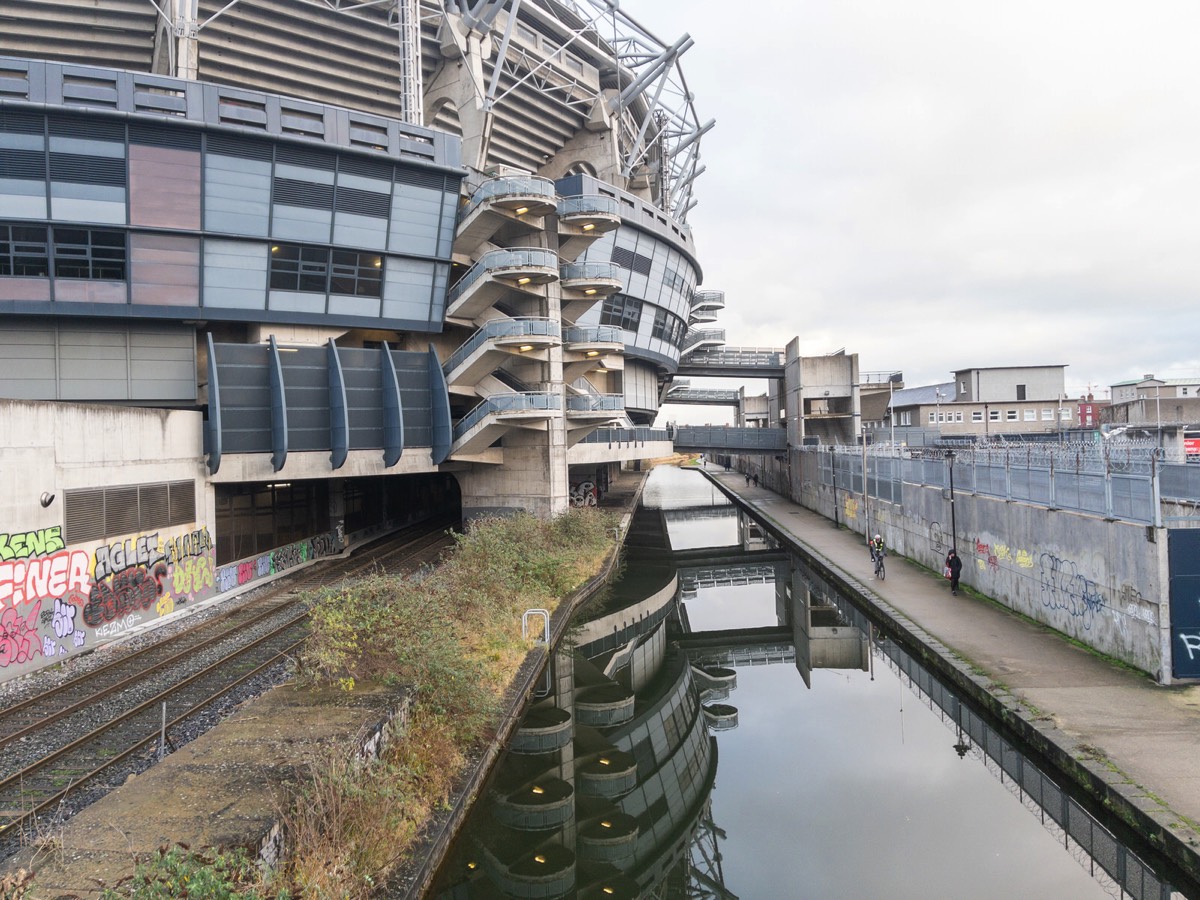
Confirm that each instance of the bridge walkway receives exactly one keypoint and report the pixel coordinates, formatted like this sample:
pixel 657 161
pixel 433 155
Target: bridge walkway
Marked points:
pixel 1126 740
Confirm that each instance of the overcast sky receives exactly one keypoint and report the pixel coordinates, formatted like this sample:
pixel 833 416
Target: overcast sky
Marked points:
pixel 938 184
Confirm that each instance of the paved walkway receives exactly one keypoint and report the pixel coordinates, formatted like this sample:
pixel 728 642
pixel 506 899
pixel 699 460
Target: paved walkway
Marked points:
pixel 1099 711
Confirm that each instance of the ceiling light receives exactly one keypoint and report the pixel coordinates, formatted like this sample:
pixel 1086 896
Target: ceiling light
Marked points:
pixel 539 858
pixel 538 790
pixel 275 249
pixel 589 226
pixel 524 280
pixel 593 353
pixel 590 291
pixel 608 890
pixel 604 823
pixel 603 760
pixel 472 864
pixel 378 261
pixel 525 348
pixel 521 210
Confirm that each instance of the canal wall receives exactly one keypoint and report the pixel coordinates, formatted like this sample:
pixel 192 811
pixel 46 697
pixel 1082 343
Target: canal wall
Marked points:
pixel 1102 582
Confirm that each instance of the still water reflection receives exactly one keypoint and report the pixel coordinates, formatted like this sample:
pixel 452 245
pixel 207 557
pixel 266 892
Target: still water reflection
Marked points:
pixel 845 770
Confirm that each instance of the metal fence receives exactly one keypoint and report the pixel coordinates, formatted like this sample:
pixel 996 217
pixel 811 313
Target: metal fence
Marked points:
pixel 1083 478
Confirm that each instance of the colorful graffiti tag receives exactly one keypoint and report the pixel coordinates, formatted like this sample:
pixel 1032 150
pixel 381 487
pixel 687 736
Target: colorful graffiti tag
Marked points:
pixel 276 561
pixel 60 599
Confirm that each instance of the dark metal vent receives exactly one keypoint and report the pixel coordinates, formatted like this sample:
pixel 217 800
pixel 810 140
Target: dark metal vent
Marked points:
pixel 155 136
pixel 290 192
pixel 419 178
pixel 98 514
pixel 239 147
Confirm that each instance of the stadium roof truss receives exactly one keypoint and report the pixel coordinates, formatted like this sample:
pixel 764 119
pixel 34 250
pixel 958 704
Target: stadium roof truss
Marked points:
pixel 531 96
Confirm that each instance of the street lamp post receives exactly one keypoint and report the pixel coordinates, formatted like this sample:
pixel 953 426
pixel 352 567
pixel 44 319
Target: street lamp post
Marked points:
pixel 953 523
pixel 937 393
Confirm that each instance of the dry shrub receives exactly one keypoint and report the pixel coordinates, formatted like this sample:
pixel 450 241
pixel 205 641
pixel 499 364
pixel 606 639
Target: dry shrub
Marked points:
pixel 454 635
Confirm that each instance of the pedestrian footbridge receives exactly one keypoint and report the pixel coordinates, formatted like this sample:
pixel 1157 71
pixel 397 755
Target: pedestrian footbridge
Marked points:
pixel 729 439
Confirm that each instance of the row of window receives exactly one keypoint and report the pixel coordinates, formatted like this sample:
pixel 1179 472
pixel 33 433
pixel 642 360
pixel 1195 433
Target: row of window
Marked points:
pixel 36 250
pixel 994 415
pixel 669 328
pixel 322 270
pixel 625 312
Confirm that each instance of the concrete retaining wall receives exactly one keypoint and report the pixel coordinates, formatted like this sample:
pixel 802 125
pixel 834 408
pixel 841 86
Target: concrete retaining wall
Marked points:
pixel 1101 582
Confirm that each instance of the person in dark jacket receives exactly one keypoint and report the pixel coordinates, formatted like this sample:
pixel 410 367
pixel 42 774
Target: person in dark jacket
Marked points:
pixel 954 564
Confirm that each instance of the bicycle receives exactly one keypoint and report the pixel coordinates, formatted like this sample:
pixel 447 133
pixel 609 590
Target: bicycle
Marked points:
pixel 877 556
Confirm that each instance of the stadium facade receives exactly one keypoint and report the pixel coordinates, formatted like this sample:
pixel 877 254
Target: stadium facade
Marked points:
pixel 276 275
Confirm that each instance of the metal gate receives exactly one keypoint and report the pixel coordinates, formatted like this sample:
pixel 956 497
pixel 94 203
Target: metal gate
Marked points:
pixel 1183 560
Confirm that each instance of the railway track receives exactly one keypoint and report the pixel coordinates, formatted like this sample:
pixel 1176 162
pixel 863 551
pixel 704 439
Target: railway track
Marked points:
pixel 62 743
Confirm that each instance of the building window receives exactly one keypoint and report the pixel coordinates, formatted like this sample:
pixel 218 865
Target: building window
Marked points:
pixel 906 417
pixel 977 415
pixel 993 415
pixel 1030 415
pixel 89 253
pixel 309 270
pixel 962 388
pixel 1010 415
pixel 1065 414
pixel 932 417
pixel 622 311
pixel 24 251
pixel 1183 392
pixel 958 416
pixel 1020 392
pixel 1047 415
pixel 356 274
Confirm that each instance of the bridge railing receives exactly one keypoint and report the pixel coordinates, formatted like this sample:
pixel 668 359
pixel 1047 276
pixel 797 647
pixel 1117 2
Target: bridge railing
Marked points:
pixel 710 437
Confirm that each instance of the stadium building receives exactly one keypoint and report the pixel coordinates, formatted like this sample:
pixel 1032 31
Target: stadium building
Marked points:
pixel 278 275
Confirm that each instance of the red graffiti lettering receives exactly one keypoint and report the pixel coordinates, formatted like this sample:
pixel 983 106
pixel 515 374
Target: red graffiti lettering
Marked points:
pixel 126 592
pixel 981 549
pixel 245 572
pixel 43 578
pixel 19 640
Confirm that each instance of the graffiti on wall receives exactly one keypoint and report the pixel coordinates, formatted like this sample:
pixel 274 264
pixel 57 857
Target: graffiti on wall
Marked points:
pixel 59 599
pixel 850 508
pixel 276 561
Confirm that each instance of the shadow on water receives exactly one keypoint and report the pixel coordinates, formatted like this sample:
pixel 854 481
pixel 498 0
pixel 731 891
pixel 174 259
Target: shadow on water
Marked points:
pixel 846 768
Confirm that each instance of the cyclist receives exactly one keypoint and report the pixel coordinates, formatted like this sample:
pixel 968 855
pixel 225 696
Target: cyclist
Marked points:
pixel 876 546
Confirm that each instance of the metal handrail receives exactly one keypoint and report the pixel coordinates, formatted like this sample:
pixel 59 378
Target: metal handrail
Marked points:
pixel 498 328
pixel 708 299
pixel 596 403
pixel 587 205
pixel 701 335
pixel 589 271
pixel 510 186
pixel 507 402
pixel 593 334
pixel 512 258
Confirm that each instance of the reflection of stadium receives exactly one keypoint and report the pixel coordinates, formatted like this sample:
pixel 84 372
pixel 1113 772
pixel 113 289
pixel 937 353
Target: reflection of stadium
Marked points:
pixel 281 273
pixel 608 777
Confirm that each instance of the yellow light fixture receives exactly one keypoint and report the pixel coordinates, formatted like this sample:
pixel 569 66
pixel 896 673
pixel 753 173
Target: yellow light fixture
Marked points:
pixel 472 864
pixel 593 353
pixel 539 858
pixel 608 890
pixel 525 348
pixel 524 280
pixel 589 226
pixel 521 210
pixel 378 261
pixel 603 760
pixel 604 823
pixel 275 249
pixel 538 790
pixel 590 291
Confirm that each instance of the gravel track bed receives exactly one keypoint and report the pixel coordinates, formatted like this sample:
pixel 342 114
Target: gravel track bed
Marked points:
pixel 31 749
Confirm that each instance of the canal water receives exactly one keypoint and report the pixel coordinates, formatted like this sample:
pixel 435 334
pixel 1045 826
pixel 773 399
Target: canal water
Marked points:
pixel 725 724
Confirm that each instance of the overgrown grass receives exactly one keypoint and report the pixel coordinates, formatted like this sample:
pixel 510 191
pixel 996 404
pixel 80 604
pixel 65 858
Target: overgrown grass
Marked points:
pixel 454 635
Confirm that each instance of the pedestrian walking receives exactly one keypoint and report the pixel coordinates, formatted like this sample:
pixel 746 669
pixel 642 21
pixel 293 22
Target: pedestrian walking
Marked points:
pixel 747 479
pixel 953 570
pixel 756 480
